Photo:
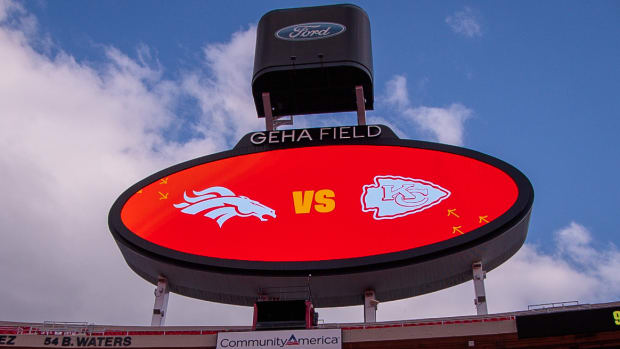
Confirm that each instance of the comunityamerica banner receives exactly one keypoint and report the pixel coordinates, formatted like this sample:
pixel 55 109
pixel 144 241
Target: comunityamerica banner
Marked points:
pixel 298 339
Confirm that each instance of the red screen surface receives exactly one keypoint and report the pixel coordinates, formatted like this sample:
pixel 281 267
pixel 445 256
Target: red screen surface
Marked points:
pixel 329 202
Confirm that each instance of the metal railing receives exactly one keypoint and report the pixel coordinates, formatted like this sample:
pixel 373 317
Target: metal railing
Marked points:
pixel 426 322
pixel 67 328
pixel 82 328
pixel 57 330
pixel 552 305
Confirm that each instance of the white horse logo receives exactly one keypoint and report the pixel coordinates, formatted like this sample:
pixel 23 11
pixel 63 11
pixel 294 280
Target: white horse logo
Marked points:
pixel 222 204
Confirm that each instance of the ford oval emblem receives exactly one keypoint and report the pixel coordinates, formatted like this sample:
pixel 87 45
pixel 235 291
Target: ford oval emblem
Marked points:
pixel 310 31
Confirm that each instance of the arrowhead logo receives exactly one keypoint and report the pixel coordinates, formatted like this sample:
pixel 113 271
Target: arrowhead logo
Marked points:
pixel 394 196
pixel 292 340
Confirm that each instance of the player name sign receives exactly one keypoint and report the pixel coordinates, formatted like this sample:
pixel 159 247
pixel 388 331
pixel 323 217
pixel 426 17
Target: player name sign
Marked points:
pixel 344 204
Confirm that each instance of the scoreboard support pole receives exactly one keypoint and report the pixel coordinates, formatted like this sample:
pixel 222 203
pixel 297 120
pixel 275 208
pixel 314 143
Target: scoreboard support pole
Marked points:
pixel 481 298
pixel 370 306
pixel 267 110
pixel 361 105
pixel 161 302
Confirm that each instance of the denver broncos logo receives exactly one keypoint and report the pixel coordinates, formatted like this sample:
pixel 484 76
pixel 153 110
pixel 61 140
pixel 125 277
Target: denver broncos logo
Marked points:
pixel 221 204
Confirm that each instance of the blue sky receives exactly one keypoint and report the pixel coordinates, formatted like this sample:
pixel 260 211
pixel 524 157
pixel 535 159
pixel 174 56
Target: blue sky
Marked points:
pixel 541 79
pixel 97 95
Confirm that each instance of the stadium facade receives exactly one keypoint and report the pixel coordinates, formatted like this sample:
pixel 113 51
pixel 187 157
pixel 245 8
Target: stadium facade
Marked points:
pixel 573 326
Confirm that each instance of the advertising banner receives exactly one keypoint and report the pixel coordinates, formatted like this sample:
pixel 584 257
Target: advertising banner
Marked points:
pixel 300 339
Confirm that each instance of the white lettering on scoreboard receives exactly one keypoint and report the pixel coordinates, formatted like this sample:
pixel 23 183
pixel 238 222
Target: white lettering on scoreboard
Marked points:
pixel 311 135
pixel 300 339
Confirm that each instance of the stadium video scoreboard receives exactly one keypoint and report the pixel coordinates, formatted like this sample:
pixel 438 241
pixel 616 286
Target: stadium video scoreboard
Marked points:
pixel 356 207
pixel 220 227
pixel 569 322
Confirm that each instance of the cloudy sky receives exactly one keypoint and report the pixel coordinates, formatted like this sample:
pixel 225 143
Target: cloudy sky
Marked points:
pixel 95 96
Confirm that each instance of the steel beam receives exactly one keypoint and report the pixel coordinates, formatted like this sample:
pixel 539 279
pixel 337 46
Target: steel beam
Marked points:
pixel 481 298
pixel 361 105
pixel 161 302
pixel 370 306
pixel 267 110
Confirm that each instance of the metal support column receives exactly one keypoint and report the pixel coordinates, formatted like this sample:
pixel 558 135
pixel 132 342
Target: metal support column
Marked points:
pixel 481 298
pixel 267 109
pixel 161 302
pixel 370 306
pixel 273 122
pixel 361 105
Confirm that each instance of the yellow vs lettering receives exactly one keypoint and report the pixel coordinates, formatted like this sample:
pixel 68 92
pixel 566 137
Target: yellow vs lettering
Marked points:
pixel 324 199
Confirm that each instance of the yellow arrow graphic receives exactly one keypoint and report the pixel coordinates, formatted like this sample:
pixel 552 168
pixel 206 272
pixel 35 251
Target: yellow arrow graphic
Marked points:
pixel 483 219
pixel 457 230
pixel 163 181
pixel 162 196
pixel 452 212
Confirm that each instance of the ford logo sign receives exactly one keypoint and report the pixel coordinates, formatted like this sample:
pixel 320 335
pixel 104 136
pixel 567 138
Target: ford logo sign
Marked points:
pixel 310 31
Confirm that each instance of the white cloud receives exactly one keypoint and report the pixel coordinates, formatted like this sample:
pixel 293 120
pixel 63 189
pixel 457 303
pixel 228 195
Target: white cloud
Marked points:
pixel 445 125
pixel 397 93
pixel 224 91
pixel 575 245
pixel 465 22
pixel 573 271
pixel 5 8
pixel 73 137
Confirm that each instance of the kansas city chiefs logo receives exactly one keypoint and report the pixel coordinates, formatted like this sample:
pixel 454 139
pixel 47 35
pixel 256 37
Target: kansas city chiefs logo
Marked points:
pixel 394 196
pixel 221 204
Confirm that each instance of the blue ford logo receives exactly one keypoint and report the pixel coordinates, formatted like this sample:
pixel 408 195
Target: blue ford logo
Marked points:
pixel 310 31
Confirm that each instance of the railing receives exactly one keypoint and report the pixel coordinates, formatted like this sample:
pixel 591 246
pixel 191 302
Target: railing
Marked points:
pixel 419 323
pixel 55 328
pixel 552 305
pixel 67 328
pixel 24 330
